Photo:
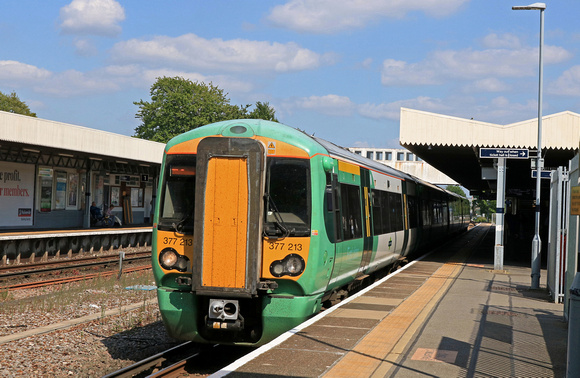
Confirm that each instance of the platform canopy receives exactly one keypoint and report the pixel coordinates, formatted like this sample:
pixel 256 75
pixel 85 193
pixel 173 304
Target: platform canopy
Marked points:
pixel 452 145
pixel 32 140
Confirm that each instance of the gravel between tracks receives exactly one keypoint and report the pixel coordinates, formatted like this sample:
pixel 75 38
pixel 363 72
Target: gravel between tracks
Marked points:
pixel 90 349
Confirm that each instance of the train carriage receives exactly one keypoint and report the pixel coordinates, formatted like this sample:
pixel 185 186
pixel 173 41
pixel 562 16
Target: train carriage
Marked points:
pixel 257 224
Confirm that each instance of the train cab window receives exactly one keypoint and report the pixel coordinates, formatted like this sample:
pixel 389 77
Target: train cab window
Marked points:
pixel 287 197
pixel 351 212
pixel 178 194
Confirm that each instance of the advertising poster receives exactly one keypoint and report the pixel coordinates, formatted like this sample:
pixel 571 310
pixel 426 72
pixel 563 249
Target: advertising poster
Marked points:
pixel 16 194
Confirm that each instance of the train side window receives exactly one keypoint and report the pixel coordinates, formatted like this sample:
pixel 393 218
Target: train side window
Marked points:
pixel 351 212
pixel 332 207
pixel 425 212
pixel 396 212
pixel 413 212
pixel 381 212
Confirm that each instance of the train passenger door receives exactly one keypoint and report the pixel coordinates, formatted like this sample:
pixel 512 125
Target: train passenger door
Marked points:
pixel 348 249
pixel 367 235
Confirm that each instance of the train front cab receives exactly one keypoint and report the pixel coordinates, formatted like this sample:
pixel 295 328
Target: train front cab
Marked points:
pixel 232 276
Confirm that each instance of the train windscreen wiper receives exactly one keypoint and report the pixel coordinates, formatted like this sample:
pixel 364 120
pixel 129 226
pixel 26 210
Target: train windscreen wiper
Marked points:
pixel 178 227
pixel 278 220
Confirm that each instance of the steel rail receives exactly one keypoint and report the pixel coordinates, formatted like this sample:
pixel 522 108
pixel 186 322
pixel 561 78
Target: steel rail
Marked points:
pixel 152 362
pixel 15 270
pixel 58 281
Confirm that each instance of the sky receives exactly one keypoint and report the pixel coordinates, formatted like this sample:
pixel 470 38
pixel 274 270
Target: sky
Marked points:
pixel 338 69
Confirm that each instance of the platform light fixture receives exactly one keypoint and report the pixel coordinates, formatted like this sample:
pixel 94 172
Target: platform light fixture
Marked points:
pixel 536 242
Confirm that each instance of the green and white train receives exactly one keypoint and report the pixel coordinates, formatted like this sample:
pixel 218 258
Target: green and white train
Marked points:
pixel 257 224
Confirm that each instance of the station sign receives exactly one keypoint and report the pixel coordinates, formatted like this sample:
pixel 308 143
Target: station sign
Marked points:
pixel 544 174
pixel 508 153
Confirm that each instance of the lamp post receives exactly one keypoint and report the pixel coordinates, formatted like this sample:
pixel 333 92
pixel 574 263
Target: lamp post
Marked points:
pixel 536 242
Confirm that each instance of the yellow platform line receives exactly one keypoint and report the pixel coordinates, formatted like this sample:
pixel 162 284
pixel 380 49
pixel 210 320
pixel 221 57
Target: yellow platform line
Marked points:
pixel 376 353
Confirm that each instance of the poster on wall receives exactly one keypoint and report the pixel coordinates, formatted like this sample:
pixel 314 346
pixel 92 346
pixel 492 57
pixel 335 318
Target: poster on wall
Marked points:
pixel 60 190
pixel 16 194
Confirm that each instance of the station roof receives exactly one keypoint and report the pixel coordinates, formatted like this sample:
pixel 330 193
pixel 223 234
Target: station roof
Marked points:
pixel 35 140
pixel 452 144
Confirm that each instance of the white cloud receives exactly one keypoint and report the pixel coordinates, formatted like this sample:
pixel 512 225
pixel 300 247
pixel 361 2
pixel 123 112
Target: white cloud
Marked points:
pixel 85 47
pixel 108 79
pixel 237 55
pixel 469 64
pixel 503 41
pixel 19 74
pixel 74 83
pixel 329 104
pixel 97 17
pixel 331 16
pixel 367 63
pixel 489 84
pixel 392 110
pixel 568 84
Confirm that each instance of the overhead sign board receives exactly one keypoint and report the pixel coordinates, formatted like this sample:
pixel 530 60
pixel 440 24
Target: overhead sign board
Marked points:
pixel 544 174
pixel 509 153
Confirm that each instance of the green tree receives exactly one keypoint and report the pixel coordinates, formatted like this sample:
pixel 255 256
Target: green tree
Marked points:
pixel 11 103
pixel 263 111
pixel 455 189
pixel 486 208
pixel 178 105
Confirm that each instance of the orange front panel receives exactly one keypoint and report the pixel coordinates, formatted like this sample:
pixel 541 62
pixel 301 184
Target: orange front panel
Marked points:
pixel 278 249
pixel 182 244
pixel 226 228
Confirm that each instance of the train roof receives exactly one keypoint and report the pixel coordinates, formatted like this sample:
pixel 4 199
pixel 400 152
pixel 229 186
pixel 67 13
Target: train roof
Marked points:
pixel 313 145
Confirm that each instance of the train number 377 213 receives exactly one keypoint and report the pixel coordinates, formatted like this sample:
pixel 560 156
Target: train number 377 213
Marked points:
pixel 285 246
pixel 178 241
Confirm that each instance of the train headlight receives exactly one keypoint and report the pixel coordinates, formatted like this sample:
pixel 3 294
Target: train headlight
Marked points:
pixel 169 259
pixel 292 265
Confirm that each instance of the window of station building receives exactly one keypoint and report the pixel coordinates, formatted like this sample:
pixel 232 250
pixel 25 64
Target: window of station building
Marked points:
pixel 72 190
pixel 388 155
pixel 137 197
pixel 115 199
pixel 400 156
pixel 409 156
pixel 379 155
pixel 358 152
pixel 369 154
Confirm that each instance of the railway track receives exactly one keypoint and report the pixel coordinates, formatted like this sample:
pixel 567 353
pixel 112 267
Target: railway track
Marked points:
pixel 26 271
pixel 57 281
pixel 185 359
pixel 47 266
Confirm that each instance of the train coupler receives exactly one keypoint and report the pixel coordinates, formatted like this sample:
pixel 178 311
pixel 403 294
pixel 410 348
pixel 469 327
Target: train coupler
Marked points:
pixel 183 281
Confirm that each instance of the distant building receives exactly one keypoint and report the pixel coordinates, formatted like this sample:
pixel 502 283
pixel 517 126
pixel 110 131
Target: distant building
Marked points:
pixel 406 161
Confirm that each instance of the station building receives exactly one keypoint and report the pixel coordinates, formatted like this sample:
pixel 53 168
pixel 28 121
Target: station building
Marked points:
pixel 454 145
pixel 51 172
pixel 405 161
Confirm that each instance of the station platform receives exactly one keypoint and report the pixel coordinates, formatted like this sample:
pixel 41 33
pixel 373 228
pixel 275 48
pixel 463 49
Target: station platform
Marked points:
pixel 447 315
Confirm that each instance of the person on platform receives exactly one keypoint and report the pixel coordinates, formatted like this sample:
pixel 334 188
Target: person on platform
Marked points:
pixel 95 211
